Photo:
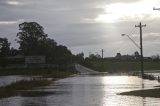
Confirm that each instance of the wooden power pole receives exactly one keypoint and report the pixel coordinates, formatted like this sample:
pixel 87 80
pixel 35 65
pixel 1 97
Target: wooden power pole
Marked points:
pixel 141 46
pixel 102 60
pixel 102 53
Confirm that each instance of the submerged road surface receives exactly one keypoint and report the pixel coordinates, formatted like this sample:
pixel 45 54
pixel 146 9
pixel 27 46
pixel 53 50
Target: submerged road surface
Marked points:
pixel 83 70
pixel 88 90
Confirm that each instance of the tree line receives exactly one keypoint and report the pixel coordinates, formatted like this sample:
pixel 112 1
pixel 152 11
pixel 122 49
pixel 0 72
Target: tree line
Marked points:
pixel 33 41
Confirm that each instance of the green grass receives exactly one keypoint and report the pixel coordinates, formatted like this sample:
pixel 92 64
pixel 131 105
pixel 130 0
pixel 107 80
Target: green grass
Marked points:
pixel 144 93
pixel 122 66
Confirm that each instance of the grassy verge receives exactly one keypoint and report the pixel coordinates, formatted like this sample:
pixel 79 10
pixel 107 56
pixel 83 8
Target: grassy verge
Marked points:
pixel 122 66
pixel 144 93
pixel 37 72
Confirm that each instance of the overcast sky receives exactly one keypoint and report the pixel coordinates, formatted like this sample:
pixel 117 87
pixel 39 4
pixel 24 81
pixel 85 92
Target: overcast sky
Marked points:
pixel 87 25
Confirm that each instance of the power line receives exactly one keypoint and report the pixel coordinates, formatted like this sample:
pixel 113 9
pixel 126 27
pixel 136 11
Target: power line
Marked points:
pixel 131 40
pixel 123 45
pixel 132 31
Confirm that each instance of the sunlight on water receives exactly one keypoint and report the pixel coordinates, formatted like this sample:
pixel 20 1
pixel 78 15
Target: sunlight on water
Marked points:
pixel 117 84
pixel 89 91
pixel 119 80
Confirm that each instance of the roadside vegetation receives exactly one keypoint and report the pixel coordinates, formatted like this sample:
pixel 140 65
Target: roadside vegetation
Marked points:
pixel 121 63
pixel 144 93
pixel 45 72
pixel 33 41
pixel 121 66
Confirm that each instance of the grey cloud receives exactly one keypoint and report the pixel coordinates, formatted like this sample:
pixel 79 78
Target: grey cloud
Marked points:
pixel 84 34
pixel 64 21
pixel 124 1
pixel 152 37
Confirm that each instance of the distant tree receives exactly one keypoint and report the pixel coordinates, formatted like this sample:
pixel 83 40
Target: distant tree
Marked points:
pixel 136 55
pixel 156 58
pixel 79 57
pixel 98 56
pixel 94 57
pixel 48 48
pixel 62 55
pixel 33 41
pixel 30 35
pixel 14 52
pixel 4 51
pixel 118 55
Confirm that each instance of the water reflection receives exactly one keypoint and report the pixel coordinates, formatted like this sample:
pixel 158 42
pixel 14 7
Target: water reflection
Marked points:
pixel 90 91
pixel 24 101
pixel 6 80
pixel 117 84
pixel 33 101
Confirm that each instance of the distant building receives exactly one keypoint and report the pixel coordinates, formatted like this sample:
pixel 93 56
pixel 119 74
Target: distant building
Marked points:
pixel 127 57
pixel 133 57
pixel 124 57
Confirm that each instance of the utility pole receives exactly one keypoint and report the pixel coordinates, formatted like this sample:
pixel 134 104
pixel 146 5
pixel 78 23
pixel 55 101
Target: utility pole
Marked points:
pixel 141 46
pixel 102 61
pixel 102 53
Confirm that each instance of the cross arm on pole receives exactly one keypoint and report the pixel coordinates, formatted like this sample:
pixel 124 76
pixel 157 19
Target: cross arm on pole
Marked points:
pixel 156 8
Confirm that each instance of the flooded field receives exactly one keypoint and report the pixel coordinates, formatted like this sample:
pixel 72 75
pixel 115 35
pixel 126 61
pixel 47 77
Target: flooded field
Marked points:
pixel 85 90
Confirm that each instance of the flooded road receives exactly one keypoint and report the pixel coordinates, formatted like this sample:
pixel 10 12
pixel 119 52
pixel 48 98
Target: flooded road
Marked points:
pixel 85 90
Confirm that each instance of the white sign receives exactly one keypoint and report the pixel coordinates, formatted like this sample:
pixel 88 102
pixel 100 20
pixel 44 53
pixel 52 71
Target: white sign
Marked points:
pixel 35 59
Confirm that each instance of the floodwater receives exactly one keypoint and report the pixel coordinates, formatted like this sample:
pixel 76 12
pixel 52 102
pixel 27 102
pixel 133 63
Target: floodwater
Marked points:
pixel 86 90
pixel 6 80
